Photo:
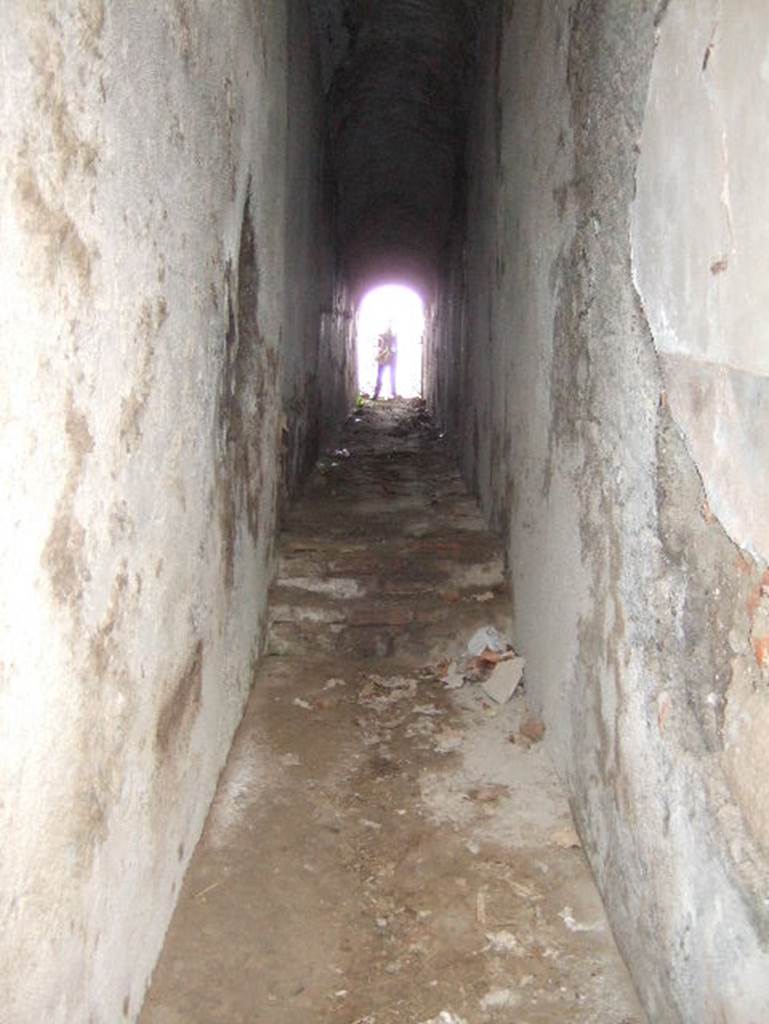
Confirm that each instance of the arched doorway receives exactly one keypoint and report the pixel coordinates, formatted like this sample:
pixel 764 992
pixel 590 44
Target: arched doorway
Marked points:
pixel 402 309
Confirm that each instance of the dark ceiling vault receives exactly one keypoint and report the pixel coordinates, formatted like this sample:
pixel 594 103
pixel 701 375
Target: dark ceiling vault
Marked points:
pixel 397 75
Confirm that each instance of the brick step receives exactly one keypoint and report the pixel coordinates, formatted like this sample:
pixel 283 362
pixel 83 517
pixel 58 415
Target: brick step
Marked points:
pixel 374 575
pixel 396 612
pixel 345 594
pixel 371 551
pixel 416 643
pixel 430 629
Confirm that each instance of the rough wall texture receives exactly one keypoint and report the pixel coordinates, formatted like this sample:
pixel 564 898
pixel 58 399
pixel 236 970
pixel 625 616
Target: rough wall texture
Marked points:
pixel 589 418
pixel 157 301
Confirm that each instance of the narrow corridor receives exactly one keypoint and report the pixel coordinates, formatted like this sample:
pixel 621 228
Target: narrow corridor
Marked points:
pixel 382 848
pixel 198 200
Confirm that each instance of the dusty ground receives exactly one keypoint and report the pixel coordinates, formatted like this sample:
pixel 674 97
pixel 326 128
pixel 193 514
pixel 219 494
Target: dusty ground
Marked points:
pixel 382 848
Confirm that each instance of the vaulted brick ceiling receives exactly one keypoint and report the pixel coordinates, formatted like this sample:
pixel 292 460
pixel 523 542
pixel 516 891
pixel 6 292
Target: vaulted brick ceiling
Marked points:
pixel 397 73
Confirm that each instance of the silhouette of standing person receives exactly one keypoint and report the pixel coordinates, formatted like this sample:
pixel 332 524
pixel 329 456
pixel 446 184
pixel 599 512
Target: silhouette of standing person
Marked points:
pixel 386 355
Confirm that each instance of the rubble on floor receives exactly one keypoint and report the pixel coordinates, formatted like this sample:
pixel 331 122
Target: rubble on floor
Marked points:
pixel 389 843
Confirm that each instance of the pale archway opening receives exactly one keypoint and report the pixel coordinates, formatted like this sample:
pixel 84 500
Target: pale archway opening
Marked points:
pixel 401 309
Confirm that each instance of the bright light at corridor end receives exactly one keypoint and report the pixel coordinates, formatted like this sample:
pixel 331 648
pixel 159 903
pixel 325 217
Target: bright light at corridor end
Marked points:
pixel 401 309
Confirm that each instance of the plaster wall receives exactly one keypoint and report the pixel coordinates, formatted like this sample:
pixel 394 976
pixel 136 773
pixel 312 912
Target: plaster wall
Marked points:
pixel 164 266
pixel 605 433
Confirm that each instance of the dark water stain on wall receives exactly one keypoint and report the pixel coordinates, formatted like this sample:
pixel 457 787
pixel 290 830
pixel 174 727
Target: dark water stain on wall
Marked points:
pixel 248 386
pixel 178 713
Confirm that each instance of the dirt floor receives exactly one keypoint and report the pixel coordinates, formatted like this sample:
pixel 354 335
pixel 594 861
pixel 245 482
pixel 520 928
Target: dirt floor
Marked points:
pixel 385 847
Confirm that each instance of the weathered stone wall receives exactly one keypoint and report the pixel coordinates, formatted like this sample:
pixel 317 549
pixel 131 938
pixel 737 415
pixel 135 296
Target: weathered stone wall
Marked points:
pixel 319 376
pixel 612 418
pixel 164 265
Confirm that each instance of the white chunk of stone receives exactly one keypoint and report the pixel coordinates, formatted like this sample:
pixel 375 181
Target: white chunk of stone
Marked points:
pixel 504 680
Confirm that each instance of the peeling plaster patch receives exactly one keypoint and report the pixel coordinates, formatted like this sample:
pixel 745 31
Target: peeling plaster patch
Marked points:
pixel 759 630
pixel 700 249
pixel 724 413
pixel 746 729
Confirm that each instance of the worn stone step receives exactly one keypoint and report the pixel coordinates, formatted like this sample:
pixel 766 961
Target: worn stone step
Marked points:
pixel 416 643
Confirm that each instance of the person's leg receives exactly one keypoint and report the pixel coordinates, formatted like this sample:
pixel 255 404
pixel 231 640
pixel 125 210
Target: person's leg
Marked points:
pixel 392 379
pixel 379 372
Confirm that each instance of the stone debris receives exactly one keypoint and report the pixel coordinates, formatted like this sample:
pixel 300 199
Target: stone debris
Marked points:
pixel 503 942
pixel 394 683
pixel 454 678
pixel 488 793
pixel 489 660
pixel 504 680
pixel 429 710
pixel 333 683
pixel 500 999
pixel 566 838
pixel 290 760
pixel 532 729
pixel 423 727
pixel 448 740
pixel 488 638
pixel 381 693
pixel 567 916
pixel 480 907
pixel 411 848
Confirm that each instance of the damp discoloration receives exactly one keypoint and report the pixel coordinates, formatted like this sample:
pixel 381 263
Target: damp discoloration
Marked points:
pixel 103 650
pixel 71 149
pixel 178 713
pixel 152 316
pixel 92 18
pixel 246 402
pixel 184 21
pixel 61 245
pixel 63 556
pixel 107 705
